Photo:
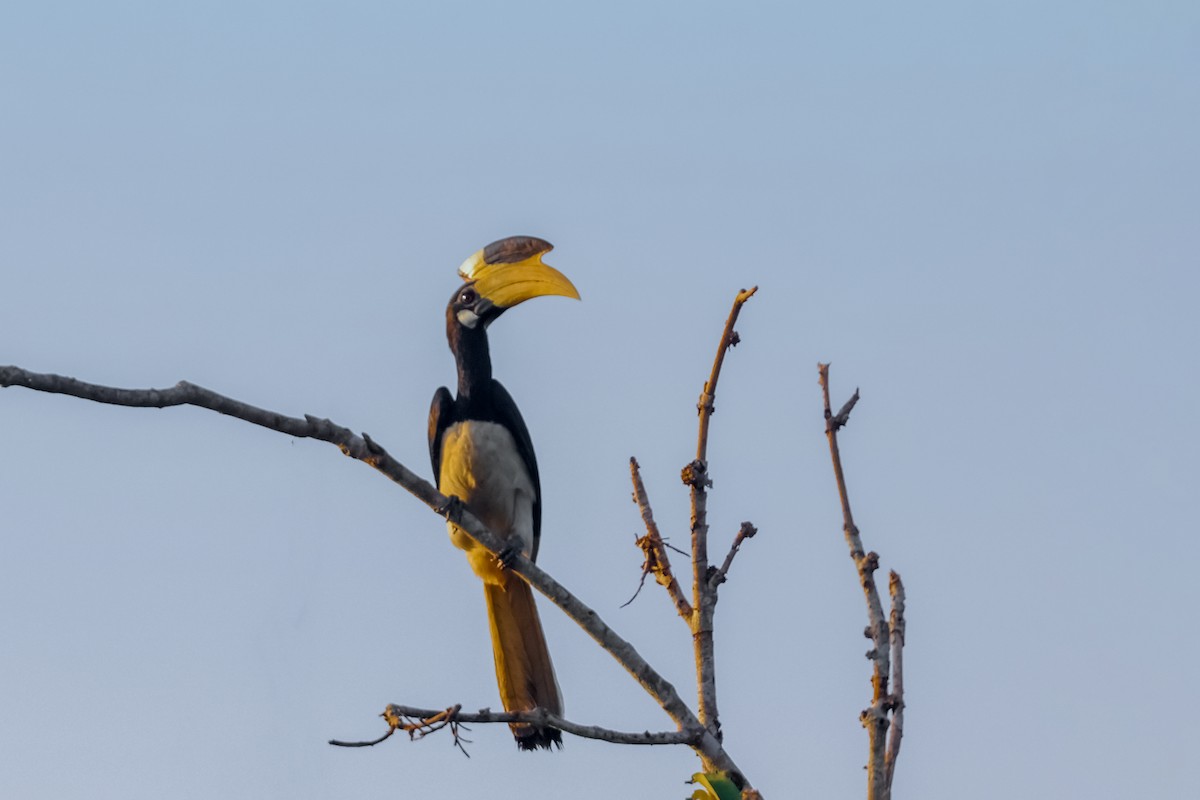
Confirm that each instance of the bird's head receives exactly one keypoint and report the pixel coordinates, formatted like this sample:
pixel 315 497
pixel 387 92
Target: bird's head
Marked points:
pixel 502 275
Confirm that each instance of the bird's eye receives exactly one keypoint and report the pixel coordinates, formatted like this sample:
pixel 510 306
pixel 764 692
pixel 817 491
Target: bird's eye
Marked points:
pixel 467 297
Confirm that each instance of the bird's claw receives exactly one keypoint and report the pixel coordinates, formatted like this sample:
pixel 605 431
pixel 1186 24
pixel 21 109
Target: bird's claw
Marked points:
pixel 451 509
pixel 507 556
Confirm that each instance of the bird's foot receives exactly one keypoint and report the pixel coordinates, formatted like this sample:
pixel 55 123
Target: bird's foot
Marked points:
pixel 452 509
pixel 508 554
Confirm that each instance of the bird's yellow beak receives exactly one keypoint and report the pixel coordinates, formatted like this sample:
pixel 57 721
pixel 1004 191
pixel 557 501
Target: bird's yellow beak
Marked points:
pixel 511 271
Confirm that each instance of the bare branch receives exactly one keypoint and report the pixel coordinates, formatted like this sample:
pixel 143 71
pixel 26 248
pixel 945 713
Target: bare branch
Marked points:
pixel 420 722
pixel 183 393
pixel 874 718
pixel 695 475
pixel 656 562
pixel 729 338
pixel 745 532
pixel 371 453
pixel 896 628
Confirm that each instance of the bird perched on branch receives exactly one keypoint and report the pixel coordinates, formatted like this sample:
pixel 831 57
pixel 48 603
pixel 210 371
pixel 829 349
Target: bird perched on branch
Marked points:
pixel 482 455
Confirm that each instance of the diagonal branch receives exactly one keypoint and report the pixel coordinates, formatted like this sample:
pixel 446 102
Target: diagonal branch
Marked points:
pixel 364 449
pixel 183 393
pixel 657 562
pixel 746 531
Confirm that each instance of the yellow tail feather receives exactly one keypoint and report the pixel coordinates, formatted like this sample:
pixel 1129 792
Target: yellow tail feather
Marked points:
pixel 524 672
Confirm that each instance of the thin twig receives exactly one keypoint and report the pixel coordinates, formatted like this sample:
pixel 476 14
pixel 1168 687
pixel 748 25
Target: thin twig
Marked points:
pixel 695 476
pixel 746 531
pixel 372 743
pixel 654 548
pixel 363 448
pixel 840 419
pixel 670 546
pixel 641 580
pixel 874 718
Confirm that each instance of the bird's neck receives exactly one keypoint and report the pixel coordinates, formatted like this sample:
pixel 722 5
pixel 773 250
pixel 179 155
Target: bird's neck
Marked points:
pixel 474 365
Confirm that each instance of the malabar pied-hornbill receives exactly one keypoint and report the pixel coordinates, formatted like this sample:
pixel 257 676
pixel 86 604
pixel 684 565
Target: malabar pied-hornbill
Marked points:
pixel 482 455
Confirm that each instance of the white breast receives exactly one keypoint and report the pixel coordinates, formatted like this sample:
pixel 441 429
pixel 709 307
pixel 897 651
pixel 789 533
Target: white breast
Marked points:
pixel 482 467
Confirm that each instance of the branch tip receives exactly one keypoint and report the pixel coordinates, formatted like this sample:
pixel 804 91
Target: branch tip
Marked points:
pixel 372 743
pixel 746 531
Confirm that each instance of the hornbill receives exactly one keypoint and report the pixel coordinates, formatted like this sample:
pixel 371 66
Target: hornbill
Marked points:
pixel 482 455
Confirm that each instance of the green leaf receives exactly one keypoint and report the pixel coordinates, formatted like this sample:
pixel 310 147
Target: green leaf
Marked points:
pixel 717 786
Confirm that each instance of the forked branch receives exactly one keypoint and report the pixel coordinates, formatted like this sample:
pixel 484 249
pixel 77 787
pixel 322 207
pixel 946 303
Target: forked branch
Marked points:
pixel 695 475
pixel 887 640
pixel 363 448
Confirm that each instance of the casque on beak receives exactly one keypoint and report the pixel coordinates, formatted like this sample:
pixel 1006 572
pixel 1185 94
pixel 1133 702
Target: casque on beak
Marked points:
pixel 511 271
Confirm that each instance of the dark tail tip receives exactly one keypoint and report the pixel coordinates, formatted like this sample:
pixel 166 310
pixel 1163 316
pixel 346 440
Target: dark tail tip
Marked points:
pixel 538 739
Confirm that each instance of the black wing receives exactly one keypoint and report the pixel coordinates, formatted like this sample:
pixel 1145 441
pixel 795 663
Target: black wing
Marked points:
pixel 506 414
pixel 441 416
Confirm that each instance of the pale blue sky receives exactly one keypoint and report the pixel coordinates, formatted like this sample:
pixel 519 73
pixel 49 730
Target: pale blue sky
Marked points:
pixel 985 215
